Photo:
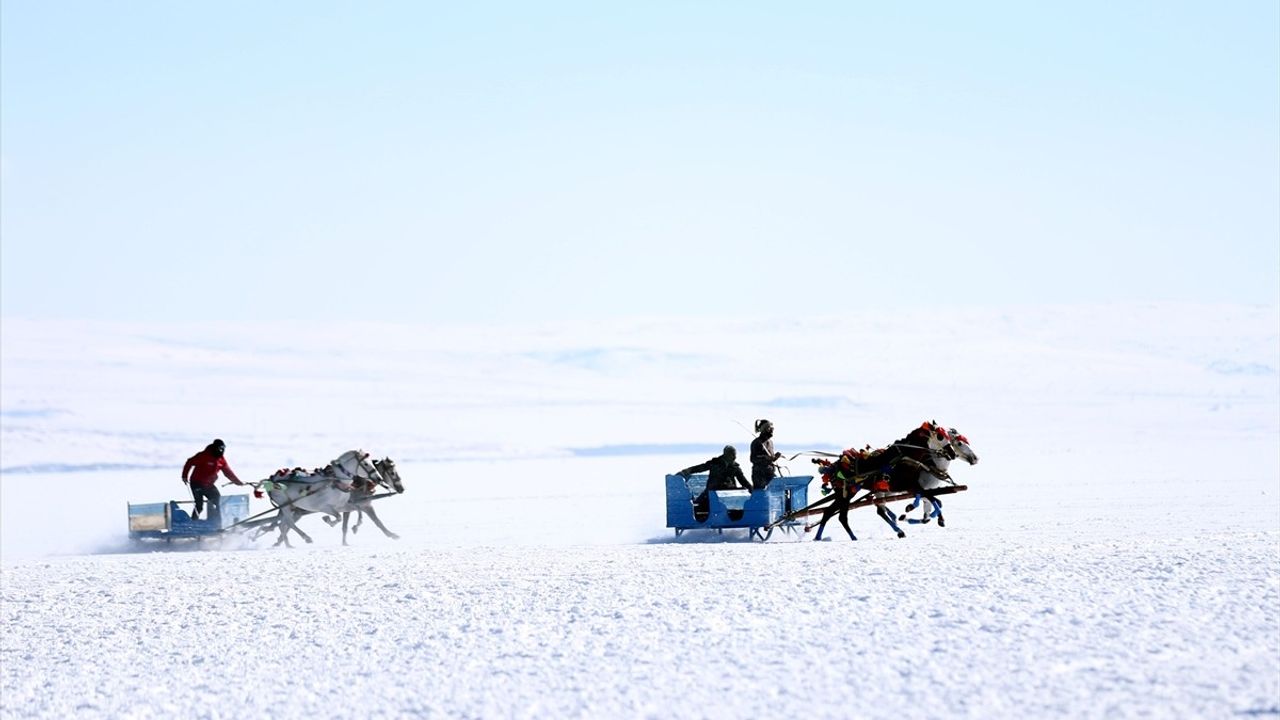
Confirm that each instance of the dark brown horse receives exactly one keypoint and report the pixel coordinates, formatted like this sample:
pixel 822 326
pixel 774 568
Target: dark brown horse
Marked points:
pixel 896 468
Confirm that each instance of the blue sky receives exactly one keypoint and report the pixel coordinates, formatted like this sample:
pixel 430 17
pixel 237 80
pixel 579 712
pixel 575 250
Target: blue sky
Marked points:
pixel 479 162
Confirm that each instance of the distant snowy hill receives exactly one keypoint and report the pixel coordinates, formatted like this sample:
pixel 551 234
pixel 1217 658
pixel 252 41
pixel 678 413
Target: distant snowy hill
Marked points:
pixel 100 396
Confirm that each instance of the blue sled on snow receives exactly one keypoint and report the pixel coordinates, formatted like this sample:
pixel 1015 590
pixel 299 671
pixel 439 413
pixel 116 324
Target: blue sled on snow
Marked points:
pixel 756 510
pixel 168 521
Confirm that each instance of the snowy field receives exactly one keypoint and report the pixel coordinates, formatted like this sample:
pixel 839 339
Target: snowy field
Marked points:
pixel 1118 554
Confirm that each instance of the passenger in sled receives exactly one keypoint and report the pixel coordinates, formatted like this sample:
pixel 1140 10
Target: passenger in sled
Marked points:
pixel 724 473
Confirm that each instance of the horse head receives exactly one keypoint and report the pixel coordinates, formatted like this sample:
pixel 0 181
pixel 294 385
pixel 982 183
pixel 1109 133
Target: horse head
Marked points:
pixel 959 446
pixel 387 468
pixel 935 436
pixel 357 468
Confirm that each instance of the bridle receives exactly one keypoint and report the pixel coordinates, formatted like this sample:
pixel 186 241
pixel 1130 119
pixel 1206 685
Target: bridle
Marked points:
pixel 373 477
pixel 390 476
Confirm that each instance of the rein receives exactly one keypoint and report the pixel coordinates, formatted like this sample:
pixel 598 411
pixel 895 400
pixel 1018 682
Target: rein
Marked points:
pixel 274 508
pixel 821 453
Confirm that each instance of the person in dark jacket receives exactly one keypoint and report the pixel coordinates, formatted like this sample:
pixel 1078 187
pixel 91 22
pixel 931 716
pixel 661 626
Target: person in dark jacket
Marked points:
pixel 723 473
pixel 201 472
pixel 763 456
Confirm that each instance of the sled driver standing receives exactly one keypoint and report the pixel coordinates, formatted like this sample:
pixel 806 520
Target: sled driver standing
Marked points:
pixel 763 456
pixel 202 469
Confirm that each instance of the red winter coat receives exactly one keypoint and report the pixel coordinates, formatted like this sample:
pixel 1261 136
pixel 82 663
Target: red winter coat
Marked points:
pixel 204 467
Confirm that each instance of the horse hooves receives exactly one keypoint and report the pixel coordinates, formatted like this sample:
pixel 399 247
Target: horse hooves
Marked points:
pixel 941 522
pixel 394 536
pixel 902 516
pixel 925 521
pixel 901 534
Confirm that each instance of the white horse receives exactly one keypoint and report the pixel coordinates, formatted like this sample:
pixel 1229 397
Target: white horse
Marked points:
pixel 956 447
pixel 348 484
pixel 362 500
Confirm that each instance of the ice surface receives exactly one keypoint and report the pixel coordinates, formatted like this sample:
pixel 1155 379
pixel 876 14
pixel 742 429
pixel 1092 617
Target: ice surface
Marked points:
pixel 1118 553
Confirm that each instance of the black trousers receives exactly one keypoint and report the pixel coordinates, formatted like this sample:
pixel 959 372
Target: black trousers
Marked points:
pixel 701 507
pixel 214 497
pixel 761 476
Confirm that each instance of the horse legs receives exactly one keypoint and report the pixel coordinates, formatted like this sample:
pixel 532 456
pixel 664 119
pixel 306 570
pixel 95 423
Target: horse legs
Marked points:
pixel 284 532
pixel 374 517
pixel 839 505
pixel 360 512
pixel 284 529
pixel 826 515
pixel 928 512
pixel 844 520
pixel 930 508
pixel 887 516
pixel 286 514
pixel 912 506
pixel 305 536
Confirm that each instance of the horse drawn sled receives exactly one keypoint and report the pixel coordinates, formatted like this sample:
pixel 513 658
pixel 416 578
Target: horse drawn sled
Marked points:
pixel 349 484
pixel 913 469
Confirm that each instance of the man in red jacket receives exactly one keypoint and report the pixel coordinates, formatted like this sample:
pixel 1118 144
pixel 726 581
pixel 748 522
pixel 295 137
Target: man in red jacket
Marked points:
pixel 203 468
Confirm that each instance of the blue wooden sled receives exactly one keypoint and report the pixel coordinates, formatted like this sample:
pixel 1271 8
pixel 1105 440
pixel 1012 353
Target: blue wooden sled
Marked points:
pixel 168 521
pixel 757 510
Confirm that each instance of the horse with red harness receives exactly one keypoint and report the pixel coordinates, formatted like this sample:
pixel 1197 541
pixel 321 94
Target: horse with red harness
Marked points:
pixel 894 469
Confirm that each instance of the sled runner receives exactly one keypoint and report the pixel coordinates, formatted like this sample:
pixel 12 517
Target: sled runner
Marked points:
pixel 759 511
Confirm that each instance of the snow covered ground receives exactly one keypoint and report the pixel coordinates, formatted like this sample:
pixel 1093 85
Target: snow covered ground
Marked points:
pixel 1118 554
